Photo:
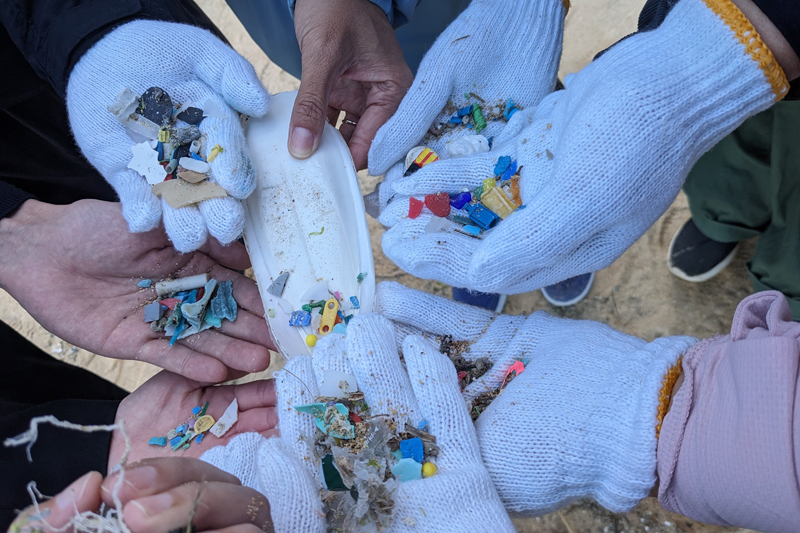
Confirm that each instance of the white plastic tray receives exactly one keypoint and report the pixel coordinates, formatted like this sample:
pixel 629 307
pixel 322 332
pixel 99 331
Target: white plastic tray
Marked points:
pixel 292 199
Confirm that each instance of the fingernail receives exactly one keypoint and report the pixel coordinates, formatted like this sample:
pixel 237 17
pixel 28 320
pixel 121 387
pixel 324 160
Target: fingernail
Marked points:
pixel 153 505
pixel 142 477
pixel 67 498
pixel 301 143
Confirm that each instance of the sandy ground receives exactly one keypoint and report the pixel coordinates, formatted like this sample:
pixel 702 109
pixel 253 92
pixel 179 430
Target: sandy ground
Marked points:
pixel 636 294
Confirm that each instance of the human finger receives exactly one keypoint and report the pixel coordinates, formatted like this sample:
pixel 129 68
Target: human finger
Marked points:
pixel 260 393
pixel 349 125
pixel 435 384
pixel 248 327
pixel 182 360
pixel 233 255
pixel 232 352
pixel 310 111
pixel 233 77
pixel 376 365
pixel 159 474
pixel 54 515
pixel 383 100
pixel 224 218
pixel 207 505
pixel 185 227
pixel 449 175
pixel 140 207
pixel 419 108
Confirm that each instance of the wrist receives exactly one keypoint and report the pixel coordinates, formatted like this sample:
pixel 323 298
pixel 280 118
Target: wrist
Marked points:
pixel 18 234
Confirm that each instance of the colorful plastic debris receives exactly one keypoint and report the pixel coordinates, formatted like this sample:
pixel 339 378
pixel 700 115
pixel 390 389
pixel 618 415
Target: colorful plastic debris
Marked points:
pixel 227 420
pixel 469 229
pixel 510 109
pixel 503 162
pixel 488 184
pixel 215 151
pixel 361 276
pixel 439 204
pixel 155 105
pixel 223 304
pixel 510 171
pixel 193 312
pixel 414 207
pixel 514 370
pixel 497 200
pixel 181 284
pixel 183 440
pixel 153 312
pixel 276 287
pixel 311 340
pixel 429 469
pixel 145 162
pixel 203 423
pixel 425 157
pixel 340 329
pixel 145 283
pixel 191 115
pixel 354 301
pixel 174 442
pixel 477 116
pixel 320 232
pixel 329 314
pixel 200 437
pixel 300 318
pixel 158 441
pixel 407 470
pixel 477 192
pixel 412 449
pixel 331 477
pixel 483 217
pixel 196 410
pixel 459 200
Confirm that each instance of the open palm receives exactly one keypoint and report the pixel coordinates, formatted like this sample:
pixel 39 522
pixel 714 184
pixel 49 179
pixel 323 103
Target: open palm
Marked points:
pixel 75 268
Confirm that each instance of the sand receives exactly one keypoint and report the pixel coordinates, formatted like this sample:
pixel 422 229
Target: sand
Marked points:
pixel 636 294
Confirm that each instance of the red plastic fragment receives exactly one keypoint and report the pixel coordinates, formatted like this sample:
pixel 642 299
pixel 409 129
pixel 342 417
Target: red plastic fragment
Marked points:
pixel 200 292
pixel 355 418
pixel 517 368
pixel 170 302
pixel 439 204
pixel 414 207
pixel 462 375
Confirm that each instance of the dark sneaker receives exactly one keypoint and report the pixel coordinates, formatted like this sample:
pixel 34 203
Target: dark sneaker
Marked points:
pixel 694 257
pixel 485 300
pixel 570 291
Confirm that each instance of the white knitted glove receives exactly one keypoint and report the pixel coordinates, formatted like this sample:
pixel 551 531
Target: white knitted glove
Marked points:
pixel 495 50
pixel 192 66
pixel 601 160
pixel 282 468
pixel 579 421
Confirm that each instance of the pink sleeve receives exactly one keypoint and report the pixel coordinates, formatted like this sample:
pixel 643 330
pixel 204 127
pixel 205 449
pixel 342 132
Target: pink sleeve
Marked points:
pixel 730 446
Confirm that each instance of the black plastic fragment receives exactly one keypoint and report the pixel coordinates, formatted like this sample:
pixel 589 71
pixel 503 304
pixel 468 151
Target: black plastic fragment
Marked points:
pixel 191 115
pixel 156 105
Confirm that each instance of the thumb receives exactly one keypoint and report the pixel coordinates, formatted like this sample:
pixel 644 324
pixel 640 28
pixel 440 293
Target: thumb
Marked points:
pixel 55 515
pixel 311 105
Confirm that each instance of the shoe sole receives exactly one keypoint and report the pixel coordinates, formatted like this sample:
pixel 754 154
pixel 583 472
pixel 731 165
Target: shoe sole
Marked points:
pixel 575 300
pixel 705 276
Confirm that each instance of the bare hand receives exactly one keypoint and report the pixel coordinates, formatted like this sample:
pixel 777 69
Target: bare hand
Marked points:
pixel 166 400
pixel 352 62
pixel 157 495
pixel 75 268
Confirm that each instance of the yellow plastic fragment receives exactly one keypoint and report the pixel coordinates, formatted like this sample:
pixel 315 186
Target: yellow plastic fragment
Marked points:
pixel 428 469
pixel 488 183
pixel 163 136
pixel 203 424
pixel 311 340
pixel 215 151
pixel 328 316
pixel 497 200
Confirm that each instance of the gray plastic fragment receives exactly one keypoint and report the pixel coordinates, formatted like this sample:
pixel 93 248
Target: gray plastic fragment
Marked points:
pixel 277 286
pixel 193 313
pixel 152 312
pixel 223 305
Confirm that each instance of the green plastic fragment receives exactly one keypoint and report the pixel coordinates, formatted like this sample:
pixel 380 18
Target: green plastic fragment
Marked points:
pixel 477 116
pixel 331 478
pixel 186 438
pixel 271 313
pixel 361 277
pixel 306 308
pixel 203 410
pixel 320 232
pixel 477 192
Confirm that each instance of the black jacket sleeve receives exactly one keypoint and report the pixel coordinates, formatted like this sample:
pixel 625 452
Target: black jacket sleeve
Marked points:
pixel 54 34
pixel 11 198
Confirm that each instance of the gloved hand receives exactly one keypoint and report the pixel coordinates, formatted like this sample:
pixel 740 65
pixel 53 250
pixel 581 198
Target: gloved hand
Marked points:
pixel 493 50
pixel 284 469
pixel 579 421
pixel 192 66
pixel 602 160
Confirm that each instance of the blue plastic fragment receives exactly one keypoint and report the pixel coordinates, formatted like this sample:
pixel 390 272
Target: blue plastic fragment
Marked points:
pixel 510 109
pixel 397 454
pixel 191 297
pixel 502 164
pixel 459 200
pixel 455 120
pixel 175 441
pixel 354 301
pixel 472 230
pixel 510 171
pixel 423 425
pixel 300 318
pixel 160 151
pixel 195 156
pixel 145 283
pixel 197 409
pixel 199 438
pixel 158 441
pixel 412 449
pixel 178 330
pixel 464 111
pixel 340 328
pixel 211 318
pixel 407 470
pixel 180 430
pixel 223 305
pixel 491 141
pixel 482 216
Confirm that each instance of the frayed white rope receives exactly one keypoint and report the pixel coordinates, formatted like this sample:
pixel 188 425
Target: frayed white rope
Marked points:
pixel 108 520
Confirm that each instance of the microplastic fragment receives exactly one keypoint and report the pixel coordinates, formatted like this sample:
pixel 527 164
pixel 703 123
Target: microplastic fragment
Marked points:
pixel 224 305
pixel 227 420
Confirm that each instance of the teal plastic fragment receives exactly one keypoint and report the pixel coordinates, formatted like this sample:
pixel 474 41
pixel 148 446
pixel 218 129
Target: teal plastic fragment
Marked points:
pixel 397 454
pixel 145 283
pixel 315 409
pixel 340 328
pixel 178 330
pixel 211 319
pixel 223 305
pixel 407 470
pixel 158 441
pixel 318 410
pixel 193 311
pixel 184 440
